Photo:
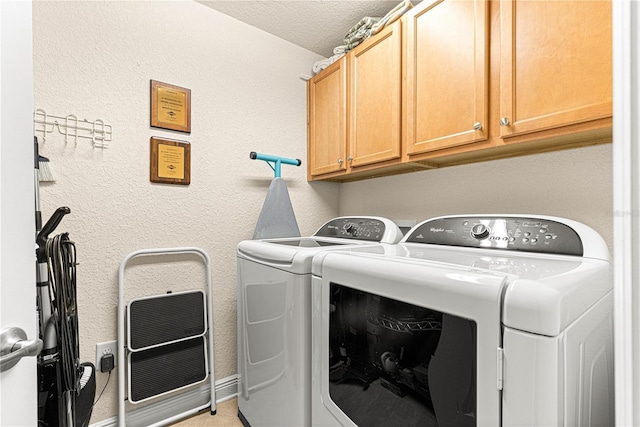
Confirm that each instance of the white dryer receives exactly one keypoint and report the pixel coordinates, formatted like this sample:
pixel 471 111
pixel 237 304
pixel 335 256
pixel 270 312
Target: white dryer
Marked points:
pixel 274 318
pixel 479 320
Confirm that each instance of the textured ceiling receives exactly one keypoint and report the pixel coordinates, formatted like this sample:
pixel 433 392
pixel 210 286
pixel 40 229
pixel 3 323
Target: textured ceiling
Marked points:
pixel 316 25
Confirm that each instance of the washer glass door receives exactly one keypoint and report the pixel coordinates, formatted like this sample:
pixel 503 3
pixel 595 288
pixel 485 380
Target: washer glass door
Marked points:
pixel 404 343
pixel 392 362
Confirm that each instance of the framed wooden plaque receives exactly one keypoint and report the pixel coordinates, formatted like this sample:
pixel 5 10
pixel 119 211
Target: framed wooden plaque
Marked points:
pixel 170 107
pixel 170 161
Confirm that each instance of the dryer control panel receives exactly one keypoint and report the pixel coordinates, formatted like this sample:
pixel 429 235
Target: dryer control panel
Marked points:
pixel 512 233
pixel 357 228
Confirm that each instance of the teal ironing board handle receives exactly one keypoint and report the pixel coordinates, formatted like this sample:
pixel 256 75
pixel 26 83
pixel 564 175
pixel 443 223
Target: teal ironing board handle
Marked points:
pixel 274 162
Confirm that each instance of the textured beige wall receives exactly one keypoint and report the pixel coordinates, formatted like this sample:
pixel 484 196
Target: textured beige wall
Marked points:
pixel 95 59
pixel 575 184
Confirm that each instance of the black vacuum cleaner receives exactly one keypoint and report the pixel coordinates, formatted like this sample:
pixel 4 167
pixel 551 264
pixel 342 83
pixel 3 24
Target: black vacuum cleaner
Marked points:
pixel 66 388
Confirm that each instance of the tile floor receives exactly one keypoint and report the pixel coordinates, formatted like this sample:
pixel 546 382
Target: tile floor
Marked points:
pixel 226 416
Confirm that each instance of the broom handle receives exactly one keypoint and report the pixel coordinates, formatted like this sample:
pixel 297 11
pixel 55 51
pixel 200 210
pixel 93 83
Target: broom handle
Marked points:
pixel 274 161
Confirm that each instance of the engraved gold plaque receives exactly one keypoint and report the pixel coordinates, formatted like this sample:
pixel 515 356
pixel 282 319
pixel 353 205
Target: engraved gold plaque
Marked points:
pixel 170 107
pixel 170 161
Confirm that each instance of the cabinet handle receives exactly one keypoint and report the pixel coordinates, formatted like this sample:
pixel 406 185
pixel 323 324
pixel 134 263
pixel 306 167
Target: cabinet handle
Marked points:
pixel 504 121
pixel 349 158
pixel 340 161
pixel 477 126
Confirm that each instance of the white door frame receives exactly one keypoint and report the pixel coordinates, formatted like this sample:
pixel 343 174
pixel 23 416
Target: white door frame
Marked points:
pixel 626 208
pixel 18 385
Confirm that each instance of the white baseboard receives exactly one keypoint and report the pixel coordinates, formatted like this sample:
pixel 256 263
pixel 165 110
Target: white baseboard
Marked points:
pixel 226 388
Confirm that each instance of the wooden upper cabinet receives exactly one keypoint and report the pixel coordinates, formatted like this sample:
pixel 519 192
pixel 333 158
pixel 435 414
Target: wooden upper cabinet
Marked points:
pixel 556 64
pixel 459 81
pixel 446 75
pixel 375 98
pixel 327 120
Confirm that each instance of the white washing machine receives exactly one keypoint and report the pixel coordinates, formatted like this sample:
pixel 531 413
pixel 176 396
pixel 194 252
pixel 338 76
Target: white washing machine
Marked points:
pixel 274 318
pixel 479 320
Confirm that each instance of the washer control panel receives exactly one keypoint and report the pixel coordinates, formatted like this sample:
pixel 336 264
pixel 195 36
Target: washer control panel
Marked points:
pixel 356 228
pixel 511 233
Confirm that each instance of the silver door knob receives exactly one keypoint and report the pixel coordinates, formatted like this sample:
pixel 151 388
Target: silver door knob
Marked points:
pixel 504 121
pixel 340 161
pixel 477 126
pixel 349 158
pixel 14 346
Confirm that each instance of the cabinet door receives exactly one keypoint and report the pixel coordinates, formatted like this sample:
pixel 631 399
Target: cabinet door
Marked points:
pixel 555 64
pixel 446 75
pixel 327 120
pixel 375 98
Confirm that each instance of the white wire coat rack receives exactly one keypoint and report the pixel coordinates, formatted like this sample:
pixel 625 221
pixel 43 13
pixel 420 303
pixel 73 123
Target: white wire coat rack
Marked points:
pixel 72 128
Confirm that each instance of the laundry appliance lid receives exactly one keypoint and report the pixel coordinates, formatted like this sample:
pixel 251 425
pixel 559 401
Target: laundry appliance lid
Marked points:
pixel 544 294
pixel 544 291
pixel 558 267
pixel 379 271
pixel 295 254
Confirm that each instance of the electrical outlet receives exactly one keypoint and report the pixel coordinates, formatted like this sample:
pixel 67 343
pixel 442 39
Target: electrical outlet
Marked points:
pixel 106 348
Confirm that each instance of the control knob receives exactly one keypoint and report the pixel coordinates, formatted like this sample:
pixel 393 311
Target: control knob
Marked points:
pixel 480 231
pixel 350 228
